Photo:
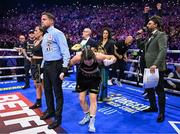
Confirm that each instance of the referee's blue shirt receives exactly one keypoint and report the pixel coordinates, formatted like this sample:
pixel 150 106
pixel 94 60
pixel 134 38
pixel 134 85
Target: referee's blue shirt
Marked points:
pixel 54 46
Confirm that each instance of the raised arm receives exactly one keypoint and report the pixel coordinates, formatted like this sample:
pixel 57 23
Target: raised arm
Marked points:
pixel 76 59
pixel 103 57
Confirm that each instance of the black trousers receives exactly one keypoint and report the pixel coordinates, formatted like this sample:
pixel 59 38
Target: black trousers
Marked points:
pixel 160 93
pixel 118 69
pixel 27 67
pixel 53 87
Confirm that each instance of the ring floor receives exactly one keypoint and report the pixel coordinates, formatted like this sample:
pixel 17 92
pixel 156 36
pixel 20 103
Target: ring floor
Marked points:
pixel 123 114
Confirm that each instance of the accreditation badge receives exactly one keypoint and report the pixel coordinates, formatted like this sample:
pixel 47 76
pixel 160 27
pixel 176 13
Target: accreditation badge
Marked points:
pixel 49 43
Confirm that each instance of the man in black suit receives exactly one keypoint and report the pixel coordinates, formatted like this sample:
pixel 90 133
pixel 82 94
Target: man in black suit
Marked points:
pixel 155 57
pixel 87 40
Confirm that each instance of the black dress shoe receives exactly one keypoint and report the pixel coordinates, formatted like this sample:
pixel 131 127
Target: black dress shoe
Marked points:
pixel 47 116
pixel 25 87
pixel 150 110
pixel 36 105
pixel 160 118
pixel 54 124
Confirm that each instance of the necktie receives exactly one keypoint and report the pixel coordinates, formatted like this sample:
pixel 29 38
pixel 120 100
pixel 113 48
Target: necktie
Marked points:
pixel 150 37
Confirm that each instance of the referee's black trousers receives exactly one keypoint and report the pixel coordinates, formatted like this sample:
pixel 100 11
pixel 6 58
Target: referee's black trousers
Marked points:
pixel 53 87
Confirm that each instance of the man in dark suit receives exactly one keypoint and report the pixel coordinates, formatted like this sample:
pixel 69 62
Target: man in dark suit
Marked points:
pixel 87 40
pixel 146 14
pixel 155 57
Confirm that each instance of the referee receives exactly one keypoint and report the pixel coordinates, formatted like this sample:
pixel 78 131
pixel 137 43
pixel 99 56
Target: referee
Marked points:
pixel 56 56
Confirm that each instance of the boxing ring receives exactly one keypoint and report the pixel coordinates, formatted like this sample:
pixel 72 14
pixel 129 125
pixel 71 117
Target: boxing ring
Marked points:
pixel 11 76
pixel 124 111
pixel 137 73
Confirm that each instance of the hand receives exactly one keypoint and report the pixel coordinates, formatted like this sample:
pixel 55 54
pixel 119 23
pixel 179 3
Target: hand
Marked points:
pixel 125 58
pixel 108 62
pixel 28 58
pixel 159 6
pixel 174 86
pixel 140 31
pixel 120 57
pixel 61 76
pixel 146 9
pixel 152 68
pixel 18 49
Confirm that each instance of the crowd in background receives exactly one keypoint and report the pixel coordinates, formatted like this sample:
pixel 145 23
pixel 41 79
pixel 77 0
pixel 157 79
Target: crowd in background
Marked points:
pixel 123 19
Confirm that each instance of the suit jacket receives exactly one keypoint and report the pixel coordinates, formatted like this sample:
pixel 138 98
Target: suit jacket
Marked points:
pixel 91 42
pixel 156 50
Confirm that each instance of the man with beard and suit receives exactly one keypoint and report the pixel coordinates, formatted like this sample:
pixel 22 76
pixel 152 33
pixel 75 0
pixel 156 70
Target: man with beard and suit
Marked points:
pixel 146 13
pixel 155 47
pixel 56 58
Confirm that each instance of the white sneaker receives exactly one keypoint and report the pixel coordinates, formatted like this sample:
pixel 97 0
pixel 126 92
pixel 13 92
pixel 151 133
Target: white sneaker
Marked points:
pixel 107 99
pixel 85 119
pixel 118 83
pixel 91 125
pixel 110 82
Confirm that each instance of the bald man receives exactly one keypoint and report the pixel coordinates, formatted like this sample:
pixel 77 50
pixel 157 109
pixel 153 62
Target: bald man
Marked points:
pixel 87 40
pixel 120 49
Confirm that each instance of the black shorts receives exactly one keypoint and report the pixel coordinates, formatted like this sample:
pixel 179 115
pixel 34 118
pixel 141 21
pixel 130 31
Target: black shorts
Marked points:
pixel 36 72
pixel 90 85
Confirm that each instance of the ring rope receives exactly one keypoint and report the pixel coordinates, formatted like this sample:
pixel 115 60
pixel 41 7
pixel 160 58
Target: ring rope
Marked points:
pixel 137 61
pixel 7 68
pixel 8 82
pixel 129 50
pixel 7 57
pixel 11 76
pixel 168 51
pixel 10 50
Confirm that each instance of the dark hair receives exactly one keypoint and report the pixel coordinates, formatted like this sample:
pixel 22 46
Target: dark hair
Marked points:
pixel 157 20
pixel 87 54
pixel 49 15
pixel 41 29
pixel 109 33
pixel 31 31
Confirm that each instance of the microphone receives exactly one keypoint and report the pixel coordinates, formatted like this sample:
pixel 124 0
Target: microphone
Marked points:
pixel 144 29
pixel 139 33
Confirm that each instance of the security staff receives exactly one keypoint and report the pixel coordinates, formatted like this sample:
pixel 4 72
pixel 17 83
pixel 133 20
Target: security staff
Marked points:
pixel 56 56
pixel 120 51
